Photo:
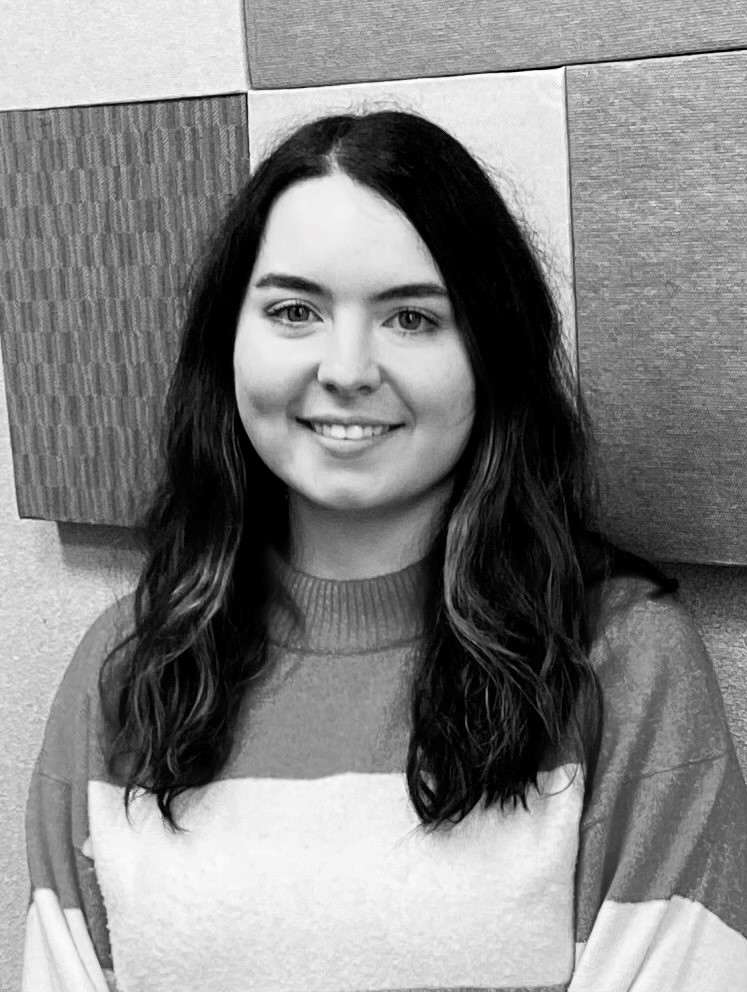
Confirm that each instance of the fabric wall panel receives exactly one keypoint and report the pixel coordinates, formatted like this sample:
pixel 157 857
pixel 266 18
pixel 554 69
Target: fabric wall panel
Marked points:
pixel 292 43
pixel 514 123
pixel 103 211
pixel 659 192
pixel 75 52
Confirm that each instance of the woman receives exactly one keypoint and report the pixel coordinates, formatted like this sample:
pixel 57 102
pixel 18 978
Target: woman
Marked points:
pixel 385 711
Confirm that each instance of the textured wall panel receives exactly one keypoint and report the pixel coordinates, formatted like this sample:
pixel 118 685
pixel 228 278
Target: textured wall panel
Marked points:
pixel 514 123
pixel 659 180
pixel 301 44
pixel 103 209
pixel 61 53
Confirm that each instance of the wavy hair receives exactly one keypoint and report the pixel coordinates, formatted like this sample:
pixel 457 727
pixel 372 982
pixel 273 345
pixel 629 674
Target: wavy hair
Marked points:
pixel 504 679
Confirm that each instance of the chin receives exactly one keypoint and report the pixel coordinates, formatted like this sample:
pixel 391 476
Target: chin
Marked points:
pixel 346 501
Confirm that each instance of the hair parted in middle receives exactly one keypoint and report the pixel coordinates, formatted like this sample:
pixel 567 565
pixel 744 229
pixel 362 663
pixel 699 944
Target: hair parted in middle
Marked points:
pixel 504 679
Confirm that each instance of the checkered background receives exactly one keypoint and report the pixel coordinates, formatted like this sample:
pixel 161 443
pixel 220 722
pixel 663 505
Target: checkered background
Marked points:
pixel 616 131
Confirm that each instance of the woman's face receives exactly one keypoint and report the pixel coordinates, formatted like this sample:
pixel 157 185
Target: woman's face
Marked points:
pixel 347 330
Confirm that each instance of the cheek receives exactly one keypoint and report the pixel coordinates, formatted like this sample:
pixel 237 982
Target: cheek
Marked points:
pixel 257 395
pixel 448 395
pixel 261 400
pixel 263 385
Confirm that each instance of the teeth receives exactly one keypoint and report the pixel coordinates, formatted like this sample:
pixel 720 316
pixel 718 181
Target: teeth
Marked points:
pixel 353 432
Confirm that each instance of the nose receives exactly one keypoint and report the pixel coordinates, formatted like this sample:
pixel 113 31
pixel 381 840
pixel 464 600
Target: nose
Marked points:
pixel 348 364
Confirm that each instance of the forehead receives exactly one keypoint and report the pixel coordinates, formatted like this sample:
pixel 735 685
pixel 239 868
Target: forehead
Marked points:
pixel 335 223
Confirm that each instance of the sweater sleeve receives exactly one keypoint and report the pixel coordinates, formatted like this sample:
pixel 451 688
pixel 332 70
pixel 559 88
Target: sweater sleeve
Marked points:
pixel 661 881
pixel 66 945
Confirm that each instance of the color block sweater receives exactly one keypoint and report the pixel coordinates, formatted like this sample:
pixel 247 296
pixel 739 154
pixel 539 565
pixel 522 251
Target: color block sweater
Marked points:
pixel 303 868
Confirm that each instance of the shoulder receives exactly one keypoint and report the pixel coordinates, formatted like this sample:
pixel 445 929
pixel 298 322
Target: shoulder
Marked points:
pixel 75 710
pixel 654 633
pixel 662 701
pixel 107 630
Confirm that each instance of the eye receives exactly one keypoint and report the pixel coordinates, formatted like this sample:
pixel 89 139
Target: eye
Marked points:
pixel 293 309
pixel 408 328
pixel 413 318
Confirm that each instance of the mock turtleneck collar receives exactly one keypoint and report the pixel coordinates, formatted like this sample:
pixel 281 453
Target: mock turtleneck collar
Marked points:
pixel 348 616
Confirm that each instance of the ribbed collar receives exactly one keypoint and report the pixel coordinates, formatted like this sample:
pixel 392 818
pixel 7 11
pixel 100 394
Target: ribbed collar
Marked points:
pixel 348 616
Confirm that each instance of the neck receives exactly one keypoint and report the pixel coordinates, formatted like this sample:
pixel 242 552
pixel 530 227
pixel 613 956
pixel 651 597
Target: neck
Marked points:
pixel 352 544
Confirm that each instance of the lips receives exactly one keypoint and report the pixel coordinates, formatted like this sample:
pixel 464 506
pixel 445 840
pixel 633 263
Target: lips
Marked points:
pixel 350 432
pixel 347 422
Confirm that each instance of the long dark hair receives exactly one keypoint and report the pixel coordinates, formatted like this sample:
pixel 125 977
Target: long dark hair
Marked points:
pixel 504 678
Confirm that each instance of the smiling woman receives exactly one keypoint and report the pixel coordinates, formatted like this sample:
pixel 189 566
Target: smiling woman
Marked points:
pixel 386 710
pixel 384 408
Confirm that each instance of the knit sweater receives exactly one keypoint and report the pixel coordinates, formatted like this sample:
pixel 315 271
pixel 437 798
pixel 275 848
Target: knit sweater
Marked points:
pixel 303 868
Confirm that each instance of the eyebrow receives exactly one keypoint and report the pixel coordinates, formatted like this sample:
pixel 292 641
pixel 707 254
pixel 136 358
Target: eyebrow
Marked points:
pixel 419 289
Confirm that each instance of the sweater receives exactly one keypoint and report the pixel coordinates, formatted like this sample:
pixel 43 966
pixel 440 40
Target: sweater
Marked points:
pixel 303 868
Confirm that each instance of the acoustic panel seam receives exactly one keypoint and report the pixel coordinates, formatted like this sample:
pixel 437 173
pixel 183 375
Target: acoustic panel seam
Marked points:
pixel 669 57
pixel 569 190
pixel 245 51
pixel 549 67
pixel 252 55
pixel 122 103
